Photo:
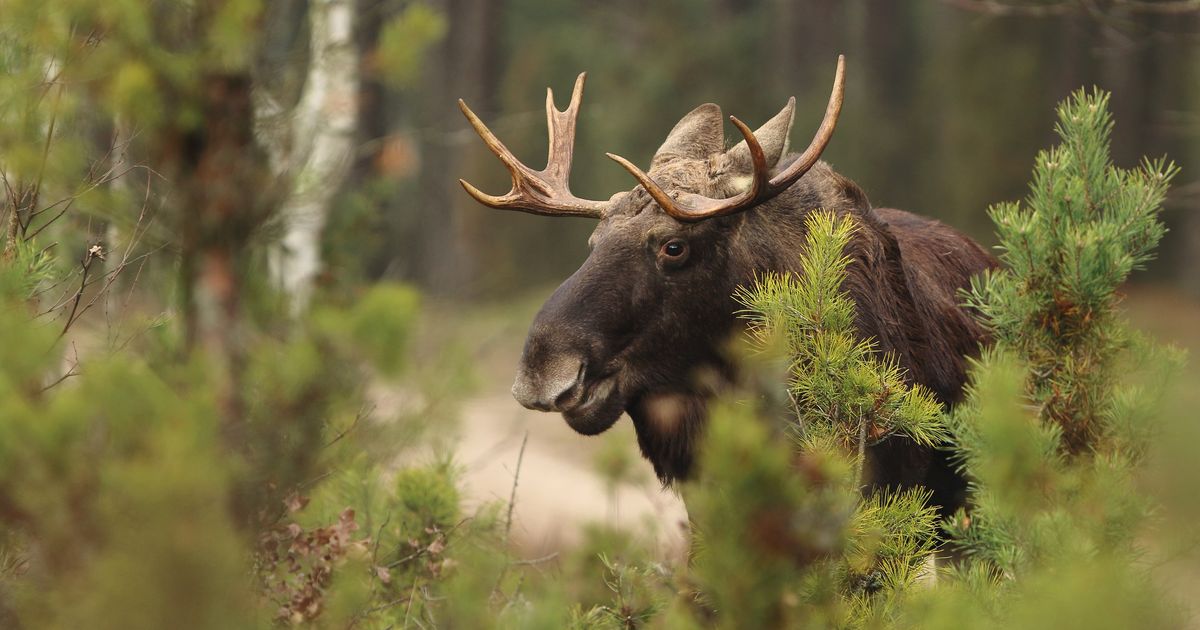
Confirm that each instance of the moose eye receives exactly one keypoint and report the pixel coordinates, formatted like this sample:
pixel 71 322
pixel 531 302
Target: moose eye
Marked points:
pixel 674 250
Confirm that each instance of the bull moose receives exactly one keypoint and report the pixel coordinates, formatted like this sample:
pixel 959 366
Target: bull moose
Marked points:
pixel 652 305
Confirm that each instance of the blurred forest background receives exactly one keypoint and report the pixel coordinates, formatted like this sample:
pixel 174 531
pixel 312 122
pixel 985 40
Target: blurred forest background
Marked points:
pixel 946 105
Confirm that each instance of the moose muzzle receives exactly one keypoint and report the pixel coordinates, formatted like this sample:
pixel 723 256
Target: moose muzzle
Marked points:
pixel 551 384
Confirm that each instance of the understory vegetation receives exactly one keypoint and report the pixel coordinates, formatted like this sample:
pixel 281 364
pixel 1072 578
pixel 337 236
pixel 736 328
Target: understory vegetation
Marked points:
pixel 180 449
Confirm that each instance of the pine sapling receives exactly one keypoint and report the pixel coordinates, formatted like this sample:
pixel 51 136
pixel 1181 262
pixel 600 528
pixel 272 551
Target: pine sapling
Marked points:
pixel 1084 227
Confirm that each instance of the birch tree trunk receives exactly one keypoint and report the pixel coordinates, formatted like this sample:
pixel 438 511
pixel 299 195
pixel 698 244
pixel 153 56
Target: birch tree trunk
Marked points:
pixel 320 141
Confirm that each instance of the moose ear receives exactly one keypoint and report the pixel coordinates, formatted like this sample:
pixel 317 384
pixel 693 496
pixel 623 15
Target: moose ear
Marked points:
pixel 697 135
pixel 773 136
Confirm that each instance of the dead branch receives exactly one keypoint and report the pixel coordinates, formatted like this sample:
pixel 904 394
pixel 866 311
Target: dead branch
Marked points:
pixel 534 561
pixel 996 7
pixel 364 412
pixel 512 497
pixel 71 371
pixel 89 256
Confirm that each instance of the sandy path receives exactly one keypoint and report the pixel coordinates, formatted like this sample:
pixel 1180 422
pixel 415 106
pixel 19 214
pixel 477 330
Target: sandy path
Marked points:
pixel 559 489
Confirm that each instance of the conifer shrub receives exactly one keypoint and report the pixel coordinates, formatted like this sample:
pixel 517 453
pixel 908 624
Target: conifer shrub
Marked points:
pixel 1066 250
pixel 1064 407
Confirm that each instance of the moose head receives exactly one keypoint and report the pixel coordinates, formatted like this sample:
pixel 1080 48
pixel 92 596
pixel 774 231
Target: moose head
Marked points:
pixel 642 323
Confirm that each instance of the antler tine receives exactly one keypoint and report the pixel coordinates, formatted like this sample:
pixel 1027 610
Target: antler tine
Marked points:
pixel 692 207
pixel 544 192
pixel 561 129
pixel 659 195
pixel 758 160
pixel 821 139
pixel 493 143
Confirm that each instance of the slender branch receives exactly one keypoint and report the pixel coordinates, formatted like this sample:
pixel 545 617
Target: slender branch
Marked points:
pixel 71 371
pixel 378 537
pixel 512 497
pixel 796 410
pixel 1165 7
pixel 110 277
pixel 1074 7
pixel 995 7
pixel 363 412
pixel 862 451
pixel 89 256
pixel 90 185
pixel 37 183
pixel 534 561
pixel 387 605
pixel 408 609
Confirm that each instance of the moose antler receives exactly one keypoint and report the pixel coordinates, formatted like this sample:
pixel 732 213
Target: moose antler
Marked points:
pixel 692 207
pixel 546 191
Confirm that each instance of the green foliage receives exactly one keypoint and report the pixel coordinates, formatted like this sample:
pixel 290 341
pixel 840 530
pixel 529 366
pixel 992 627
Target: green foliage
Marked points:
pixel 757 522
pixel 1084 227
pixel 110 490
pixel 34 268
pixel 428 499
pixel 379 327
pixel 635 597
pixel 894 537
pixel 843 390
pixel 1060 413
pixel 404 40
pixel 402 542
pixel 116 492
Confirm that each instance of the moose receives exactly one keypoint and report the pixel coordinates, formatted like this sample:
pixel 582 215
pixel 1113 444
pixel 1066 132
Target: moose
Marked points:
pixel 652 306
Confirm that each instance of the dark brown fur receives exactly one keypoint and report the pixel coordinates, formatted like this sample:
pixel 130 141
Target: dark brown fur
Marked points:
pixel 633 331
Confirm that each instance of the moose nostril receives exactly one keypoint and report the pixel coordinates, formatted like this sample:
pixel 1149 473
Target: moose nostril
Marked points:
pixel 550 386
pixel 572 391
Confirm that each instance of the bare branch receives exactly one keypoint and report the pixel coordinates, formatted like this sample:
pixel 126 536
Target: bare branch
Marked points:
pixel 512 497
pixel 1165 7
pixel 1074 7
pixel 71 371
pixel 535 561
pixel 365 411
pixel 89 256
pixel 996 7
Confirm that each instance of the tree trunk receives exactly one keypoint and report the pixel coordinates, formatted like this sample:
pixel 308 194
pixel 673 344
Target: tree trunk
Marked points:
pixel 468 56
pixel 322 134
pixel 222 176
